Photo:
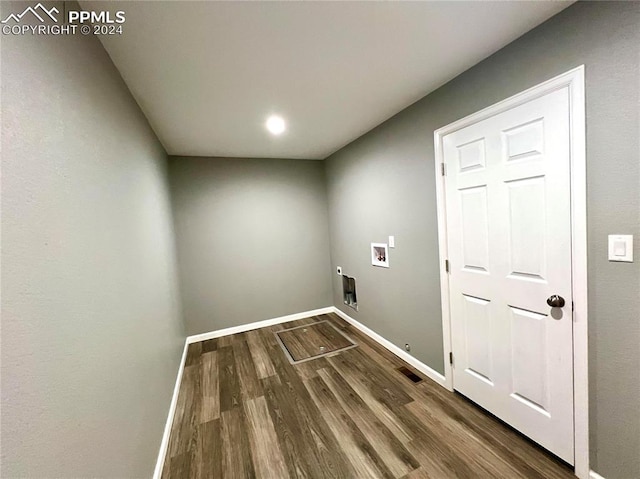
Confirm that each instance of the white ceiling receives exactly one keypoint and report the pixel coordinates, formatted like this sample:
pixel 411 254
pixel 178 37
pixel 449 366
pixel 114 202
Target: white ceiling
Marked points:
pixel 207 74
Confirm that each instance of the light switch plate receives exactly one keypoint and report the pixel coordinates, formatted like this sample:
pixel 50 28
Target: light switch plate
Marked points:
pixel 392 241
pixel 621 248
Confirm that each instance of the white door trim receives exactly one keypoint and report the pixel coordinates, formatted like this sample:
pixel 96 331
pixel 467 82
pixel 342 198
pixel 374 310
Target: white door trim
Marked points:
pixel 574 80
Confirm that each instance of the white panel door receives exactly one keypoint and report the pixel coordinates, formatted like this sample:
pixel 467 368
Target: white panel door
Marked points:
pixel 508 208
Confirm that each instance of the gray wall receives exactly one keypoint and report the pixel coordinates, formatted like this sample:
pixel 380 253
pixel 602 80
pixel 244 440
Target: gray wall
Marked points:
pixel 91 329
pixel 252 238
pixel 383 184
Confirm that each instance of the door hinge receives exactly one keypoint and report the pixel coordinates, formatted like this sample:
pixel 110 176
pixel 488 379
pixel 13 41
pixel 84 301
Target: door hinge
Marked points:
pixel 451 358
pixel 573 307
pixel 446 265
pixel 444 169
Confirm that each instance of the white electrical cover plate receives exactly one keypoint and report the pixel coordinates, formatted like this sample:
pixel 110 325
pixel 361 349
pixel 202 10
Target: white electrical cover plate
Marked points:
pixel 621 248
pixel 392 242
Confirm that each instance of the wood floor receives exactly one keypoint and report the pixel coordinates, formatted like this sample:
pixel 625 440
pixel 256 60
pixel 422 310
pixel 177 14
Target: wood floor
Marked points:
pixel 245 411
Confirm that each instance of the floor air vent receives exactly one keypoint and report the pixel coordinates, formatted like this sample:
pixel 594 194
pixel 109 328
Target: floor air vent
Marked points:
pixel 407 372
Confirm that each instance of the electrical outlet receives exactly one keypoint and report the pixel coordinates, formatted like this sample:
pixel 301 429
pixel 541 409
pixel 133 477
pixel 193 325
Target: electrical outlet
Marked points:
pixel 339 270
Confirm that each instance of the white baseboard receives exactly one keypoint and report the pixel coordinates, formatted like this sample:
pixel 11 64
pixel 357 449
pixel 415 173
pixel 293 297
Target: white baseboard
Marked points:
pixel 595 475
pixel 258 324
pixel 420 366
pixel 164 445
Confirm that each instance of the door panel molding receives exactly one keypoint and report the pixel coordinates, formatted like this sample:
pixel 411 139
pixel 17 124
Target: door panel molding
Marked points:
pixel 524 144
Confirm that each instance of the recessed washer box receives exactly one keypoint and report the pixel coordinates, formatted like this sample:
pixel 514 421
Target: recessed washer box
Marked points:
pixel 380 254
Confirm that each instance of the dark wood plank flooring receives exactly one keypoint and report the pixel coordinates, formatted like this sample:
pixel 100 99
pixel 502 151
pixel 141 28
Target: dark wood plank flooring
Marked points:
pixel 244 411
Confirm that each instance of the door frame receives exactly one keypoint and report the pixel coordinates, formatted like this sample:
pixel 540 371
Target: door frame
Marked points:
pixel 574 80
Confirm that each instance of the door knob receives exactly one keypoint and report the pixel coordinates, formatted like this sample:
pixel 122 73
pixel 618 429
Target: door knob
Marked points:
pixel 555 301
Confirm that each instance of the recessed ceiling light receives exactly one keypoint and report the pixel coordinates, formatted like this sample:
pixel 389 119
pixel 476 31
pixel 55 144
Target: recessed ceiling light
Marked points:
pixel 275 124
